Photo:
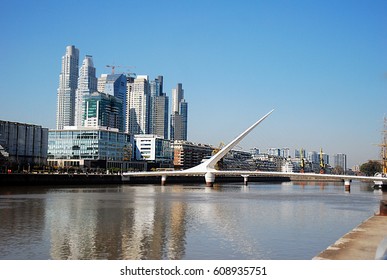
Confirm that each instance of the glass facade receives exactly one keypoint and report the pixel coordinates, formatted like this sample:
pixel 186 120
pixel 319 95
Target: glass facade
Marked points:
pixel 87 144
pixel 179 116
pixel 153 148
pixel 103 110
pixel 115 85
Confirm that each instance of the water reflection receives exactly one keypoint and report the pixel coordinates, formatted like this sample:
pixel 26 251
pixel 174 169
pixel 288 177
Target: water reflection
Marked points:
pixel 136 223
pixel 260 221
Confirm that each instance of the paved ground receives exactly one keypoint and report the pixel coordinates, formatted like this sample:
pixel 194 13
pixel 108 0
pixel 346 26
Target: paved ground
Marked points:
pixel 359 244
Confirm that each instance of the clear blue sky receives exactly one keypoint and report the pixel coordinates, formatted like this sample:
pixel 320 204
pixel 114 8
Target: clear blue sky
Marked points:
pixel 322 65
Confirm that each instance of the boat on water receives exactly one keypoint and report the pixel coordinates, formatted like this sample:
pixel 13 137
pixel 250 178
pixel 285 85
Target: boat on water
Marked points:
pixel 379 184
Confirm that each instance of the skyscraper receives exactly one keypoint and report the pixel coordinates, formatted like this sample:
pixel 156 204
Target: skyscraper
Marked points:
pixel 68 80
pixel 115 85
pixel 139 101
pixel 104 110
pixel 179 116
pixel 158 123
pixel 87 84
pixel 340 160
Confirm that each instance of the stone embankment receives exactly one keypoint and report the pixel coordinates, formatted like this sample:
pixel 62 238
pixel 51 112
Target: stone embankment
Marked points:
pixel 368 241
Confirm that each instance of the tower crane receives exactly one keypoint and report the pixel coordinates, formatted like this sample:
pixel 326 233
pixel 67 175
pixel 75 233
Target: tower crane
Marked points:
pixel 113 67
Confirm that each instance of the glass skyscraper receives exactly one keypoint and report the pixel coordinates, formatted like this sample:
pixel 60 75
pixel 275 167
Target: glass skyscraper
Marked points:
pixel 115 85
pixel 179 116
pixel 159 109
pixel 68 80
pixel 104 110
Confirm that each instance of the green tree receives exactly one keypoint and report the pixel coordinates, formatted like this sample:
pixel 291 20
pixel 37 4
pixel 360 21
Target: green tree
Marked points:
pixel 371 167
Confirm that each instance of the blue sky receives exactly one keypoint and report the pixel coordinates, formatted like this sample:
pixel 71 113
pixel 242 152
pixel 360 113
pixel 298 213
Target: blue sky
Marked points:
pixel 322 65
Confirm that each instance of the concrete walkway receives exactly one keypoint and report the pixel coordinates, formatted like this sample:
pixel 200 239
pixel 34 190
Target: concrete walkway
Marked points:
pixel 359 244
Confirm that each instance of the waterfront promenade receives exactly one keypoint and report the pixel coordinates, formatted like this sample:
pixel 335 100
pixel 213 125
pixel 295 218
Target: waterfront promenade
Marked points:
pixel 359 244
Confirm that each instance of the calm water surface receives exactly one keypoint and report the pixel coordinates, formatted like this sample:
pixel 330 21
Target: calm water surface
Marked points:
pixel 261 221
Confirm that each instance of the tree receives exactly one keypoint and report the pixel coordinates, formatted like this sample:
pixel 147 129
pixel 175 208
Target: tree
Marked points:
pixel 338 170
pixel 371 167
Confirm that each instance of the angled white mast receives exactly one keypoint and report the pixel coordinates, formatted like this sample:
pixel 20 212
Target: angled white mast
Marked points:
pixel 209 165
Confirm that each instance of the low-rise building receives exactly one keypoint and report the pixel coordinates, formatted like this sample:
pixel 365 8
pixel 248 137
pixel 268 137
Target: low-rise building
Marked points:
pixel 22 146
pixel 151 147
pixel 188 154
pixel 79 146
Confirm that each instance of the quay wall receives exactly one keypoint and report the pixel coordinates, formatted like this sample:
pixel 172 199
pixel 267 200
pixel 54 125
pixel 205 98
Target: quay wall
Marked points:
pixel 57 179
pixel 103 179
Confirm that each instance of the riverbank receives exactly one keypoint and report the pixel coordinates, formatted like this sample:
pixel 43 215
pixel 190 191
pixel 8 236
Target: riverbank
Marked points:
pixel 359 244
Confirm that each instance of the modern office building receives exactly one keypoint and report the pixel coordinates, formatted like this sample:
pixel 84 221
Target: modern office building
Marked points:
pixel 139 105
pixel 152 147
pixel 22 145
pixel 68 80
pixel 179 115
pixel 103 110
pixel 115 85
pixel 87 84
pixel 74 147
pixel 159 102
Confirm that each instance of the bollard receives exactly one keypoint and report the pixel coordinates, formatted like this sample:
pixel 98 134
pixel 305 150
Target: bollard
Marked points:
pixel 383 208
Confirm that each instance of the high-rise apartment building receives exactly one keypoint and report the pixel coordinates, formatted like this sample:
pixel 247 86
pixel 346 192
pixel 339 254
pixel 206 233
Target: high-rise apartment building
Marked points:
pixel 299 153
pixel 138 97
pixel 179 116
pixel 87 84
pixel 68 80
pixel 158 117
pixel 340 160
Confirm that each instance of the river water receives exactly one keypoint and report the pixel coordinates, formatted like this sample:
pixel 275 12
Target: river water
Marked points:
pixel 262 221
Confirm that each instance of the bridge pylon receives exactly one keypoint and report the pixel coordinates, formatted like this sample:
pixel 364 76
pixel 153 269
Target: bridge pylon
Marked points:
pixel 210 179
pixel 347 185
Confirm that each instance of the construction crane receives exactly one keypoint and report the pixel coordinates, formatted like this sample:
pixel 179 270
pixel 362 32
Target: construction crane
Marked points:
pixel 322 163
pixel 217 149
pixel 113 67
pixel 302 161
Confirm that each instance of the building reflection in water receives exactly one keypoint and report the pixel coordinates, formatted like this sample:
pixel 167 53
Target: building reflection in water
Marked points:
pixel 262 221
pixel 21 227
pixel 128 224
